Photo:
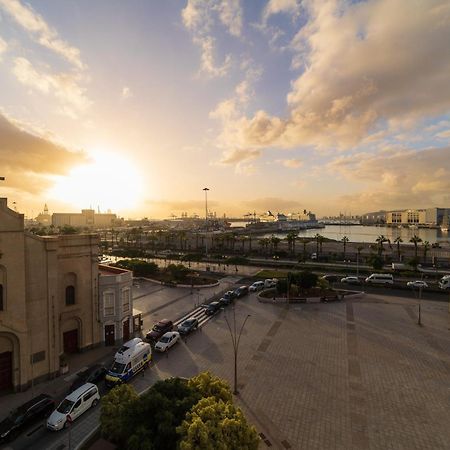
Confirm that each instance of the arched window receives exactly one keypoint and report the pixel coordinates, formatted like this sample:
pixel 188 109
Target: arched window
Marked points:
pixel 70 295
pixel 1 297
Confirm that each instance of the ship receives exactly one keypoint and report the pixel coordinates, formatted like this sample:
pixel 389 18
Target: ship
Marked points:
pixel 280 222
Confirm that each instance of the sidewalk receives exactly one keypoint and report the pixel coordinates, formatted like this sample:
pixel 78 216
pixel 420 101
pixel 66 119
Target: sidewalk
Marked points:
pixel 57 388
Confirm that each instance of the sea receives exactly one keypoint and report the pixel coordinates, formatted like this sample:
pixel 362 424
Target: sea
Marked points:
pixel 360 233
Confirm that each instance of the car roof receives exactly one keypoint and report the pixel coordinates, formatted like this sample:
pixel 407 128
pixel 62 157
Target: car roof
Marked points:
pixel 213 303
pixel 33 402
pixel 190 319
pixel 163 322
pixel 73 397
pixel 169 333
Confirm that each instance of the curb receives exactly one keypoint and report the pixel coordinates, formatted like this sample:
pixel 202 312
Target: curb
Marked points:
pixel 196 286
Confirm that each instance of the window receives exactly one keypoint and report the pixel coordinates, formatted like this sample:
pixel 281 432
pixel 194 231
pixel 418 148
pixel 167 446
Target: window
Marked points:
pixel 70 295
pixel 77 404
pixel 126 300
pixel 108 303
pixel 89 395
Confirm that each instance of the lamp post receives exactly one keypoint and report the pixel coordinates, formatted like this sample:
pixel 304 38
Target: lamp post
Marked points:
pixel 206 219
pixel 235 339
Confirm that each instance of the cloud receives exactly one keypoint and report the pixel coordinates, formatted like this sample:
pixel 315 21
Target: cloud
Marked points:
pixel 27 159
pixel 443 134
pixel 3 47
pixel 280 6
pixel 397 179
pixel 126 92
pixel 65 86
pixel 363 64
pixel 46 36
pixel 239 156
pixel 200 18
pixel 291 163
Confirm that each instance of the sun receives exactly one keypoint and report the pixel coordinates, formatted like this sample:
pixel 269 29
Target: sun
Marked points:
pixel 109 182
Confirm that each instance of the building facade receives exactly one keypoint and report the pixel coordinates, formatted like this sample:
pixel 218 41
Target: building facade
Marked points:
pixel 48 300
pixel 115 304
pixel 428 216
pixel 87 218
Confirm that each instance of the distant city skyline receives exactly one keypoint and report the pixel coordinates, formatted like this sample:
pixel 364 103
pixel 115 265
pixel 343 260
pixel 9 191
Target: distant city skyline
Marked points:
pixel 286 105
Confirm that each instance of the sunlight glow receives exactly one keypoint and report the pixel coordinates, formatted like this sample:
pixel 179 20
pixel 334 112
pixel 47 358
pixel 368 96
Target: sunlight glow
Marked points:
pixel 109 181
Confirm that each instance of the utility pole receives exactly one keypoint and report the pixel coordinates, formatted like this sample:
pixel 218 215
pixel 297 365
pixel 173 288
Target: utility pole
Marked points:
pixel 206 219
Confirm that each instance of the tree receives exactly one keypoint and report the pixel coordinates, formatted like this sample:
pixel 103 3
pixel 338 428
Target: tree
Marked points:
pixel 208 385
pixel 216 425
pixel 178 271
pixel 274 240
pixel 380 240
pixel 376 261
pixel 415 240
pixel 304 279
pixel 398 240
pixel 426 246
pixel 344 240
pixel 139 267
pixel 115 412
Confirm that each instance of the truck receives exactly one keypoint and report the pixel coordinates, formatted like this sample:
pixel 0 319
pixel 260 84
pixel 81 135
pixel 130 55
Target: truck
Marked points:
pixel 128 363
pixel 399 266
pixel 444 282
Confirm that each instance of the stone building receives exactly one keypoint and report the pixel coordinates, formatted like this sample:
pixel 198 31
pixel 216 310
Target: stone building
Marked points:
pixel 48 300
pixel 115 304
pixel 87 218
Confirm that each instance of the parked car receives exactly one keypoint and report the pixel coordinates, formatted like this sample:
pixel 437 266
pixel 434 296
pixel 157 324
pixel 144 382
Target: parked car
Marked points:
pixel 225 301
pixel 417 284
pixel 241 291
pixel 163 326
pixel 25 415
pixel 380 278
pixel 270 283
pixel 167 340
pixel 73 406
pixel 95 375
pixel 230 294
pixel 350 280
pixel 188 325
pixel 256 286
pixel 212 308
pixel 330 278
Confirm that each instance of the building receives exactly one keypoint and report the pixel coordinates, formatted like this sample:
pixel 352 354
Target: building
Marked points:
pixel 115 304
pixel 48 300
pixel 44 218
pixel 87 218
pixel 428 216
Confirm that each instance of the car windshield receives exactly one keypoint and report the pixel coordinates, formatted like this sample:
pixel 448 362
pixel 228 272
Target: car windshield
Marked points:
pixel 16 415
pixel 65 406
pixel 117 367
pixel 156 328
pixel 188 323
pixel 165 339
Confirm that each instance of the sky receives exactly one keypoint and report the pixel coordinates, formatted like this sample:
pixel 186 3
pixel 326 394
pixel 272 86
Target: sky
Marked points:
pixel 283 105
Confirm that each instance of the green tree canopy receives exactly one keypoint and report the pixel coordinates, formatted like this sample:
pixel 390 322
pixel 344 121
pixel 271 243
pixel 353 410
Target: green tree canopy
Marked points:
pixel 116 407
pixel 216 425
pixel 208 385
pixel 139 267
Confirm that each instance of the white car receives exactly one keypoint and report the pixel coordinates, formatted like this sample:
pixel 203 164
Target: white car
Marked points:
pixel 350 280
pixel 256 286
pixel 75 404
pixel 417 284
pixel 167 340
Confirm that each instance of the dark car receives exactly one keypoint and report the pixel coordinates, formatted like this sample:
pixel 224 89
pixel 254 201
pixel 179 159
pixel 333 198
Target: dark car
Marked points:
pixel 212 308
pixel 241 291
pixel 331 278
pixel 224 301
pixel 29 413
pixel 230 294
pixel 188 325
pixel 95 375
pixel 163 326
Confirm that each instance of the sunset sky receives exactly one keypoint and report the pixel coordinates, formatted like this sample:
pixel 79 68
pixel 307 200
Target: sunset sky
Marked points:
pixel 136 106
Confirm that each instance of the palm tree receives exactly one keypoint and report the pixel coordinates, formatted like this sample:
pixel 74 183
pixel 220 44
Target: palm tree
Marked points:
pixel 305 242
pixel 344 240
pixel 426 246
pixel 319 240
pixel 274 240
pixel 415 240
pixel 380 240
pixel 398 240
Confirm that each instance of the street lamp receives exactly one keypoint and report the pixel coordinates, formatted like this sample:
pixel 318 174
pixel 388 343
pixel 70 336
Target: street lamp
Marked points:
pixel 235 339
pixel 206 219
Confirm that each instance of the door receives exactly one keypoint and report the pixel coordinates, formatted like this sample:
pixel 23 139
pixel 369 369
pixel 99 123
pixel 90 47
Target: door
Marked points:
pixel 5 371
pixel 109 335
pixel 77 410
pixel 126 330
pixel 70 339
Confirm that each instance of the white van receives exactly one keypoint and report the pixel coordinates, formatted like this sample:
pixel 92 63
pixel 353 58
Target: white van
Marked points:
pixel 75 404
pixel 127 364
pixel 127 345
pixel 444 282
pixel 270 282
pixel 256 286
pixel 380 278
